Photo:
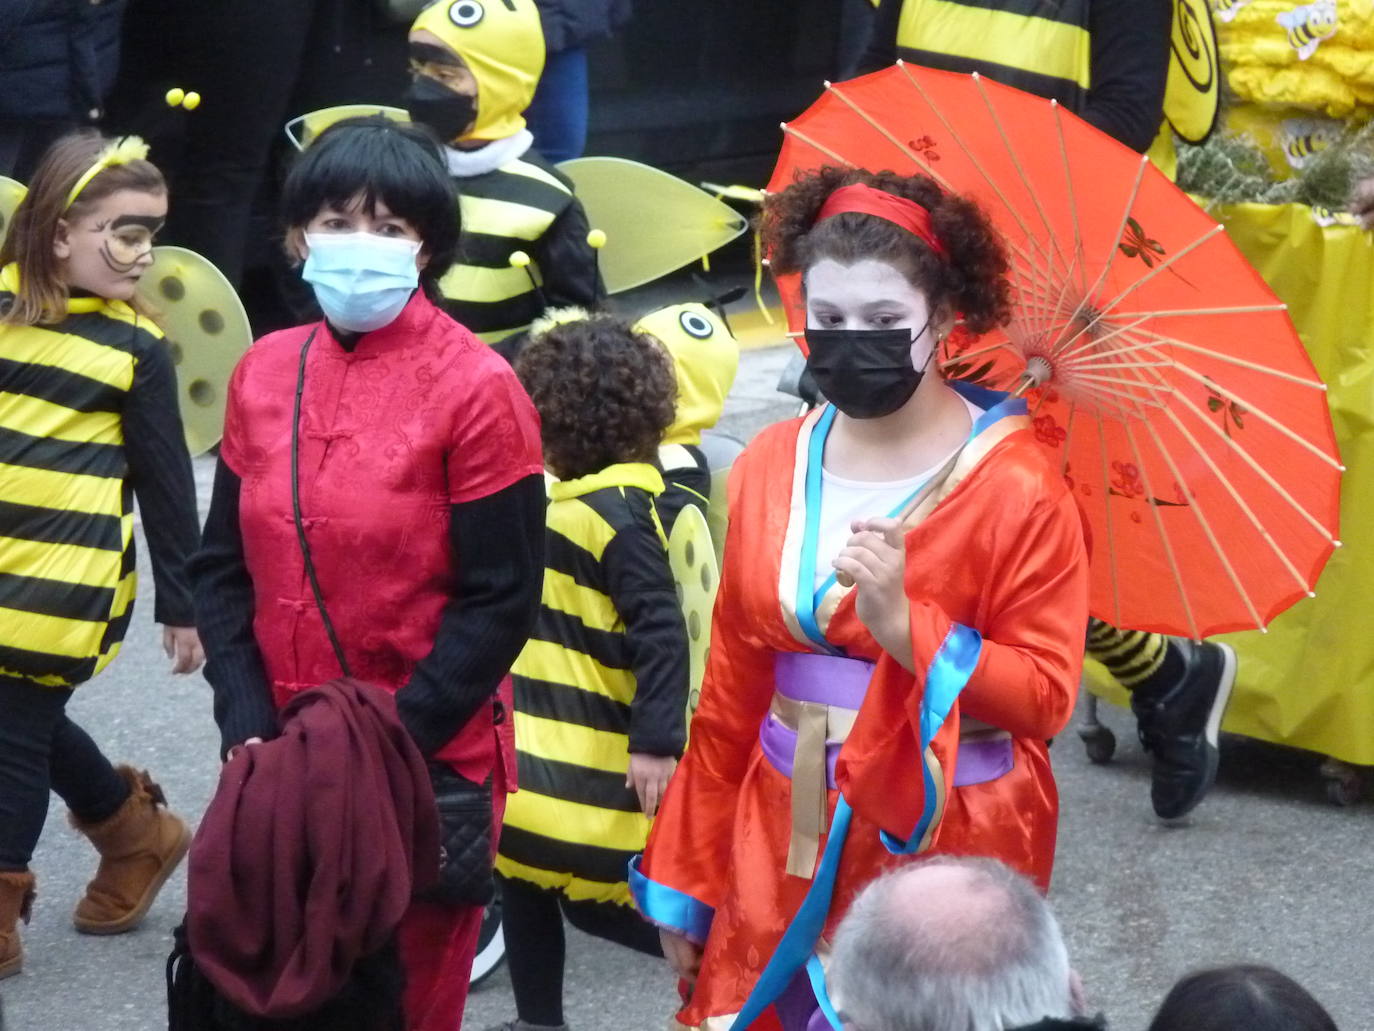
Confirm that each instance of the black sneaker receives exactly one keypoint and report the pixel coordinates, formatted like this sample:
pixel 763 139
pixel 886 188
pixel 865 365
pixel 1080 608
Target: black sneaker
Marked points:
pixel 1179 726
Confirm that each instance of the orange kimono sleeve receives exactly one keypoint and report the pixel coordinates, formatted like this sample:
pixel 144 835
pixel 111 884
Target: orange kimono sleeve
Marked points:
pixel 1027 677
pixel 679 880
pixel 1024 682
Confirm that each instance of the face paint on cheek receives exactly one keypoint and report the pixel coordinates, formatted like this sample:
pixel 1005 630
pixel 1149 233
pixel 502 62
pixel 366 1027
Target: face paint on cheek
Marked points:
pixel 122 268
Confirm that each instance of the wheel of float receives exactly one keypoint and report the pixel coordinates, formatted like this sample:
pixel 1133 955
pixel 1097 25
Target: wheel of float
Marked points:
pixel 1099 742
pixel 1344 791
pixel 491 944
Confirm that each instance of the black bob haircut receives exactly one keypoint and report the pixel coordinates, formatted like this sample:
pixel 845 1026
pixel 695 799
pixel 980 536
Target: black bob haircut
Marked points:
pixel 1240 998
pixel 400 164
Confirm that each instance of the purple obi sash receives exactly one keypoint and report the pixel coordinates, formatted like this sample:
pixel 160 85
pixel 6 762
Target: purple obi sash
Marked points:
pixel 837 681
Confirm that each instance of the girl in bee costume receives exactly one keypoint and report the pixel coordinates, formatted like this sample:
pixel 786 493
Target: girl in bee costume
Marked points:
pixel 88 419
pixel 475 65
pixel 601 688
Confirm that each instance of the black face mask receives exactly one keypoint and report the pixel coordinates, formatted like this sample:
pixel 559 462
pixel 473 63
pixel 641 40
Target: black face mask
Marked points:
pixel 865 373
pixel 433 104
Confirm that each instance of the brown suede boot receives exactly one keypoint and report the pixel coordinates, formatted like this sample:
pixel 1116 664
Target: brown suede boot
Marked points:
pixel 16 899
pixel 139 846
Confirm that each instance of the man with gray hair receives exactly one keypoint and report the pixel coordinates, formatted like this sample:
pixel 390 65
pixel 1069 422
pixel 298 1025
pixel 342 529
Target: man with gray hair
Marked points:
pixel 952 944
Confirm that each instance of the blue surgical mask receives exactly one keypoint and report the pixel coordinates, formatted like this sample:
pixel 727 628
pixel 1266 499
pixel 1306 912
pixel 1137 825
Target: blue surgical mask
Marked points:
pixel 361 280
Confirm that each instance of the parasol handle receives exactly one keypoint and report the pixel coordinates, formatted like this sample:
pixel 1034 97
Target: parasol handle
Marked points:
pixel 1038 371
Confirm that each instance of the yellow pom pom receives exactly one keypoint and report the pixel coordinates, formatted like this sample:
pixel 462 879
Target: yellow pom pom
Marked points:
pixel 192 101
pixel 519 259
pixel 596 239
pixel 175 96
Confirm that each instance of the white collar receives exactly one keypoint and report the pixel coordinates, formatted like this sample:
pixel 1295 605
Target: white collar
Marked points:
pixel 467 163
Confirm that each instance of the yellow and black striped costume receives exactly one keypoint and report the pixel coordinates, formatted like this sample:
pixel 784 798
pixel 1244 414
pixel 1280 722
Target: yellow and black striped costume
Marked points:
pixel 1040 46
pixel 605 674
pixel 525 205
pixel 67 570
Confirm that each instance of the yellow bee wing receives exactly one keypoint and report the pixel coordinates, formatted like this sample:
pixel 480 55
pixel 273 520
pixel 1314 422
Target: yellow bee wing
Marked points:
pixel 655 223
pixel 207 331
pixel 1192 98
pixel 11 193
pixel 693 562
pixel 302 129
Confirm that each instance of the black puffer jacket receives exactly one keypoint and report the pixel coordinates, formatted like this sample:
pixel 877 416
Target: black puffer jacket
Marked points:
pixel 574 23
pixel 58 58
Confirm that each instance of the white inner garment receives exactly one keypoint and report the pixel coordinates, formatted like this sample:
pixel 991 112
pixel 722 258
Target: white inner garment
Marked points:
pixel 844 500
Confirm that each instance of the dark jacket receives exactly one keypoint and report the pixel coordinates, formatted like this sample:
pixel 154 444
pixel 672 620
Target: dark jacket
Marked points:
pixel 58 58
pixel 575 23
pixel 310 851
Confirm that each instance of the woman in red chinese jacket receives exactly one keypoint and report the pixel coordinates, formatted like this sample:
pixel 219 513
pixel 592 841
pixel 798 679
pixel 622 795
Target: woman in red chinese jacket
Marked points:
pixel 421 496
pixel 843 729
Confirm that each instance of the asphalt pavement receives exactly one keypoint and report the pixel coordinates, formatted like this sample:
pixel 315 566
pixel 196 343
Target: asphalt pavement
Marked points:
pixel 1265 871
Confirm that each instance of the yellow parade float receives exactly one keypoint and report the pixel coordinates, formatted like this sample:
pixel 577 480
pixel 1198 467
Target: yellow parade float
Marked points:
pixel 1276 174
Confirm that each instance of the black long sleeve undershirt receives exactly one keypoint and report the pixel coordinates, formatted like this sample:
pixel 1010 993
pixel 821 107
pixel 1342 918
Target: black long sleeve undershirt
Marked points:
pixel 160 473
pixel 1130 63
pixel 498 544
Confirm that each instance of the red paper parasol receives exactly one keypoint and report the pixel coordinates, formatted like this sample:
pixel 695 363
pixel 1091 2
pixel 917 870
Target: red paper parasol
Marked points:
pixel 1168 380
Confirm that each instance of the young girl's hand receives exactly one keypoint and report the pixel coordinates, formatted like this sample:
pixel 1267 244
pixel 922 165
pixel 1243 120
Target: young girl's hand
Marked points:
pixel 649 777
pixel 875 559
pixel 683 955
pixel 182 646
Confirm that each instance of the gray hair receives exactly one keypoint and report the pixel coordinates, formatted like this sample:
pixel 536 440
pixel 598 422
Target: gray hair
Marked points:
pixel 998 962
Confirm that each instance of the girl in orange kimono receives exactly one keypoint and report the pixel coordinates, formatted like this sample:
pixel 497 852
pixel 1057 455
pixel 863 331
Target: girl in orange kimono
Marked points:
pixel 843 729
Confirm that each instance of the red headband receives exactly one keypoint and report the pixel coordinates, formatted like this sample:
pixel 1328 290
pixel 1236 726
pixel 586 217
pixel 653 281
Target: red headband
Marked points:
pixel 865 200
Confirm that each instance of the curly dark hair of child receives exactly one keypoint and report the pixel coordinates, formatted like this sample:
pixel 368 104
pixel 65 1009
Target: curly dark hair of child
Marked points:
pixel 971 283
pixel 605 394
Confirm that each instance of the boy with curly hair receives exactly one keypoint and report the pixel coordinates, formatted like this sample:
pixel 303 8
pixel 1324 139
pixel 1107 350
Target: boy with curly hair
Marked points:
pixel 601 688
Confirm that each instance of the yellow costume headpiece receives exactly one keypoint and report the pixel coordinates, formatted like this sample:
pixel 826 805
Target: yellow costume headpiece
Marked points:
pixel 705 358
pixel 120 152
pixel 502 43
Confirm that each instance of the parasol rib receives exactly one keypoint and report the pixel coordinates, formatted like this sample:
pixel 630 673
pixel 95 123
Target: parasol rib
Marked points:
pixel 906 151
pixel 1256 468
pixel 1207 352
pixel 1259 413
pixel 1240 501
pixel 1201 515
pixel 1093 342
pixel 1111 528
pixel 798 134
pixel 1163 533
pixel 996 189
pixel 1244 309
pixel 1225 481
pixel 1021 174
pixel 1163 266
pixel 1080 258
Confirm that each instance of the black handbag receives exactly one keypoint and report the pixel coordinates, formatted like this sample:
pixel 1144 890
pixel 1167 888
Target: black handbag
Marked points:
pixel 465 807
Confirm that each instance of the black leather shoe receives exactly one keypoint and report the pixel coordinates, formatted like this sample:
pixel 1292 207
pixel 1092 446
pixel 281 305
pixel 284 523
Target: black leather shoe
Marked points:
pixel 1179 726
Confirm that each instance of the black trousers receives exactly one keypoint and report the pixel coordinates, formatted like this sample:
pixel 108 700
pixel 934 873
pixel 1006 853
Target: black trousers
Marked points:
pixel 532 922
pixel 41 750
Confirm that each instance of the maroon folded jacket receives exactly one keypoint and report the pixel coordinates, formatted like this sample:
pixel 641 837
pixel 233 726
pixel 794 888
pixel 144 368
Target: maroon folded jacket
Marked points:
pixel 310 851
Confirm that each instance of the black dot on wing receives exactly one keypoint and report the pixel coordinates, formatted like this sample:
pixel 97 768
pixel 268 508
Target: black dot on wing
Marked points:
pixel 202 392
pixel 172 288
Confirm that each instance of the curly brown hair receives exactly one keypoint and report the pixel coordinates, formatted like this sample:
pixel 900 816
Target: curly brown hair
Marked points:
pixel 971 282
pixel 605 394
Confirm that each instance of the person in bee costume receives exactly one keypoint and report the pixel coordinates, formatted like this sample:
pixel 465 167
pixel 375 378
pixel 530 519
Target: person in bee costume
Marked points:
pixel 601 687
pixel 705 359
pixel 1107 61
pixel 474 68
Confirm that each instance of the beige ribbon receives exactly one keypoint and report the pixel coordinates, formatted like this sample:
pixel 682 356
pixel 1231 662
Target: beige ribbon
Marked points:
pixel 815 725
